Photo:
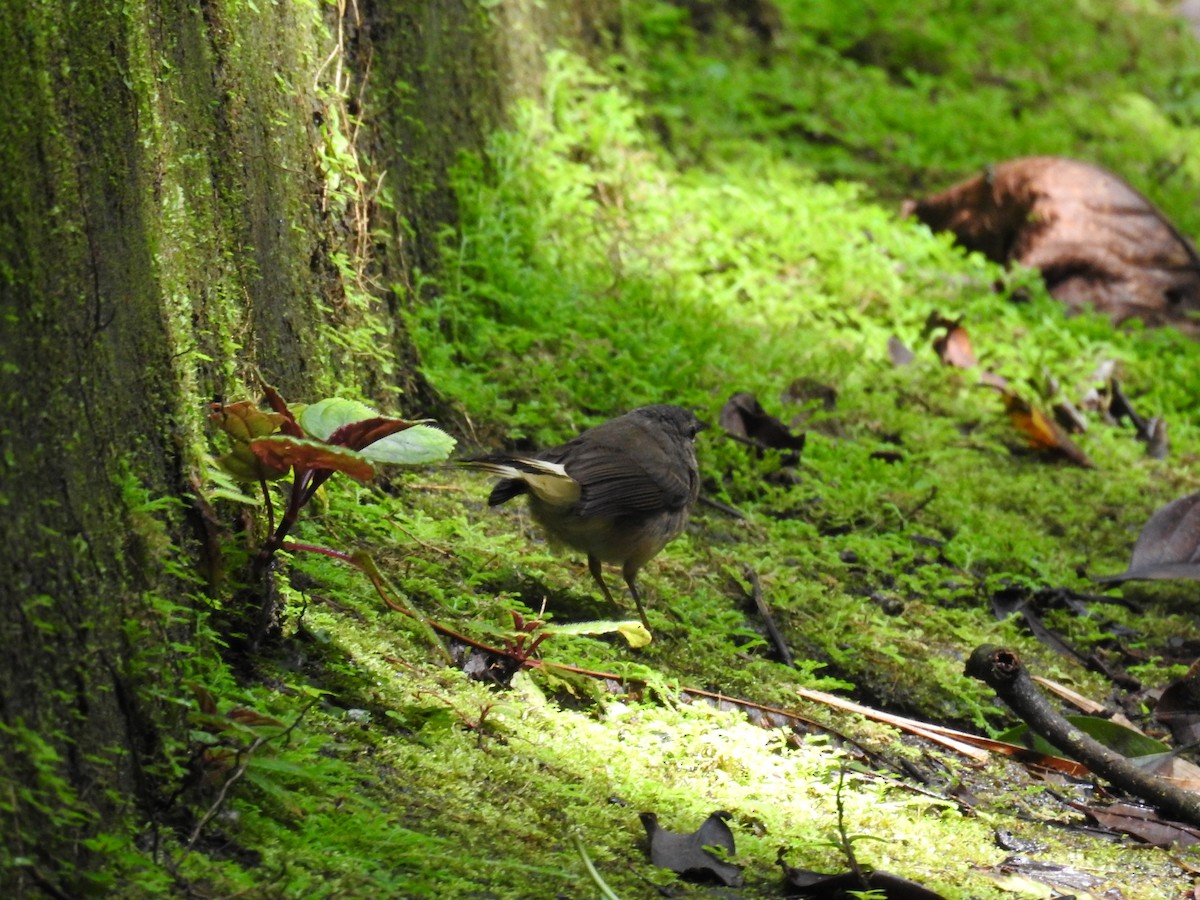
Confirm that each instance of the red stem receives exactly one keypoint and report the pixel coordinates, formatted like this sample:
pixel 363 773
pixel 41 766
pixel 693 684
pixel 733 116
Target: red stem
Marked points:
pixel 523 657
pixel 292 547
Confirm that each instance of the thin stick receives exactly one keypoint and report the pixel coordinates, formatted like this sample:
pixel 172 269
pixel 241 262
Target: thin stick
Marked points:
pixel 756 592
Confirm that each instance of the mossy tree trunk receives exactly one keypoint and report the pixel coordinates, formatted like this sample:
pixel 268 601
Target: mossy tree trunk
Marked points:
pixel 193 194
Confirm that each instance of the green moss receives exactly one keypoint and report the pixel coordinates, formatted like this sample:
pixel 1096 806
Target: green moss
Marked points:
pixel 598 269
pixel 909 96
pixel 665 228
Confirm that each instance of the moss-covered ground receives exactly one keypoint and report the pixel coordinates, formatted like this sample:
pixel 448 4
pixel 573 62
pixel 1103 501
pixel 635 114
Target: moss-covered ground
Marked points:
pixel 687 214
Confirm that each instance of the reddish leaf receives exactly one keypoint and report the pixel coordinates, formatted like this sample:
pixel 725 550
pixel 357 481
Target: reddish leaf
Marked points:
pixel 954 348
pixel 304 454
pixel 252 718
pixel 358 435
pixel 278 404
pixel 204 699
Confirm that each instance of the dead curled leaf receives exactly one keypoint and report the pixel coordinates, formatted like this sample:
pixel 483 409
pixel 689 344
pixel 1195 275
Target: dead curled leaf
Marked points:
pixel 1041 431
pixel 1152 430
pixel 807 883
pixel 953 346
pixel 1141 822
pixel 1168 546
pixel 744 417
pixel 1179 707
pixel 1096 240
pixel 688 855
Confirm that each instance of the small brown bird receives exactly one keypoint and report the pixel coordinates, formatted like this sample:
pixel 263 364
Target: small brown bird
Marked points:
pixel 619 492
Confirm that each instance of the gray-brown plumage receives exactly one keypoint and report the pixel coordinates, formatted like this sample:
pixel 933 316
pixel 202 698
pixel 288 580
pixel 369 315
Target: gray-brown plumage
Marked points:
pixel 619 492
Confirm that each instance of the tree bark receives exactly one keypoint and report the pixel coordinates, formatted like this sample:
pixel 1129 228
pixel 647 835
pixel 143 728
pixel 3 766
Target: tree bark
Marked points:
pixel 193 194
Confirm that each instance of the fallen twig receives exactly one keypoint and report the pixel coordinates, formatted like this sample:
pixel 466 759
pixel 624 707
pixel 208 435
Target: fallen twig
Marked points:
pixel 723 507
pixel 756 593
pixel 1002 671
pixel 953 740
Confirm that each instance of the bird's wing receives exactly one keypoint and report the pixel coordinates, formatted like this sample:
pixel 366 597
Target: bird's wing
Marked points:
pixel 615 482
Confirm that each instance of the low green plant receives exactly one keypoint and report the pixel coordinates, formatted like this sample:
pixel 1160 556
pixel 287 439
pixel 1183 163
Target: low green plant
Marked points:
pixel 330 436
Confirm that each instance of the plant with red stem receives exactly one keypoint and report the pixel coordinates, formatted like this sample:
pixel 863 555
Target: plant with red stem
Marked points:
pixel 333 435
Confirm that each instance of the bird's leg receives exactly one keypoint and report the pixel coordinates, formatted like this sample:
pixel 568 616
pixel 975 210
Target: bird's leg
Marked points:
pixel 594 568
pixel 630 572
pixel 630 575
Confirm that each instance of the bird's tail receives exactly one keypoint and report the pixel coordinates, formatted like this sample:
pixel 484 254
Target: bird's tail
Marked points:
pixel 514 466
pixel 521 474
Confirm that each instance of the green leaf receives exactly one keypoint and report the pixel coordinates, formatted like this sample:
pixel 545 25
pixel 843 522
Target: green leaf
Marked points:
pixel 324 417
pixel 224 486
pixel 265 763
pixel 419 444
pixel 1115 737
pixel 243 421
pixel 634 632
pixel 280 794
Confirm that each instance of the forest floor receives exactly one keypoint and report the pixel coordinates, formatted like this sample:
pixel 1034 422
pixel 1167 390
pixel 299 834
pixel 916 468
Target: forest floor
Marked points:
pixel 713 208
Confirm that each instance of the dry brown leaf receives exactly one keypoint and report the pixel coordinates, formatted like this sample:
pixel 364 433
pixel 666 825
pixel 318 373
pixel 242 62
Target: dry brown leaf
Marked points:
pixel 1041 432
pixel 1141 822
pixel 744 417
pixel 1096 240
pixel 1168 546
pixel 953 346
pixel 1179 707
pixel 898 352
